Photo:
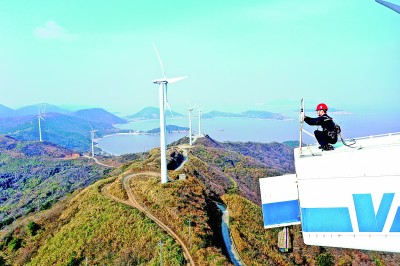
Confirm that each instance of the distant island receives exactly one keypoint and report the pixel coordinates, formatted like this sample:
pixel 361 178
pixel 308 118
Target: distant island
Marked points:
pixel 154 131
pixel 153 113
pixel 331 111
pixel 169 129
pixel 247 114
pixel 148 113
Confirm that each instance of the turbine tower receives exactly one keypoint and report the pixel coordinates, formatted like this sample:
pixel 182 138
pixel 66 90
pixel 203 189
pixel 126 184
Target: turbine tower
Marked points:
pixel 41 109
pixel 190 109
pixel 200 122
pixel 163 100
pixel 92 137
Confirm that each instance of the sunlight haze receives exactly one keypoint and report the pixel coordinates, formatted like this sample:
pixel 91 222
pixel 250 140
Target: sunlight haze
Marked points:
pixel 238 55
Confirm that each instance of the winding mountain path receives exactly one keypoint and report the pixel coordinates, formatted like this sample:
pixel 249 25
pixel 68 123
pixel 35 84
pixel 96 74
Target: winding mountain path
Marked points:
pixel 97 161
pixel 132 201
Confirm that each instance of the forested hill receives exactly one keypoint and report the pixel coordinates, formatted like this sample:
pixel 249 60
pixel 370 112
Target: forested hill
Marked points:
pixel 34 175
pixel 12 147
pixel 99 226
pixel 237 166
pixel 98 115
pixel 69 131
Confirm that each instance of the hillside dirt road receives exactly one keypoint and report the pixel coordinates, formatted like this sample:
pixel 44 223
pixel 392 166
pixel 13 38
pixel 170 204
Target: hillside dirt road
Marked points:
pixel 97 161
pixel 134 203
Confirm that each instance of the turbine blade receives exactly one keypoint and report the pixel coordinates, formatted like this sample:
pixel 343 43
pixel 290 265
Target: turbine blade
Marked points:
pixel 392 6
pixel 191 105
pixel 173 80
pixel 169 108
pixel 159 60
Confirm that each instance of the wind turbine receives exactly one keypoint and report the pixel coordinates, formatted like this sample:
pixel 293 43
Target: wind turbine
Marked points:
pixel 92 137
pixel 42 109
pixel 190 109
pixel 163 100
pixel 200 110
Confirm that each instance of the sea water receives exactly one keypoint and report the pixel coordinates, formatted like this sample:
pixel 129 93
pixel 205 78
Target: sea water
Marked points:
pixel 243 130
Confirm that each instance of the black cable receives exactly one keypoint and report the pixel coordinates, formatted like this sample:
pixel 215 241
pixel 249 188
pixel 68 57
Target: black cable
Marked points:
pixel 344 142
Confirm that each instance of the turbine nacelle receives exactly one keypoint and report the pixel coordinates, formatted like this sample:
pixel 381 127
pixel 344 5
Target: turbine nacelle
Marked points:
pixel 166 80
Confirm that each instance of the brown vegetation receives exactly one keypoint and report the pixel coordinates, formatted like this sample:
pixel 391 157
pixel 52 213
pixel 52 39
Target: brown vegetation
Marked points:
pixel 89 225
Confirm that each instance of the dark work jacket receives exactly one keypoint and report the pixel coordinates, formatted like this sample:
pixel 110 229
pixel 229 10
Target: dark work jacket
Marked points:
pixel 326 122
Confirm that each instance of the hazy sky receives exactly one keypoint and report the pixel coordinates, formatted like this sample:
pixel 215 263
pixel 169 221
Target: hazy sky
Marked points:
pixel 238 55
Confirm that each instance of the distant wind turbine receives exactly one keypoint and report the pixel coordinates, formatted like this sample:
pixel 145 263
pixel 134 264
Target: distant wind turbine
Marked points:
pixel 163 100
pixel 42 110
pixel 92 137
pixel 190 109
pixel 200 110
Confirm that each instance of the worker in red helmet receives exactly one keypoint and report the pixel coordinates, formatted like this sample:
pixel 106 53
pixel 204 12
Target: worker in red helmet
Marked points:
pixel 328 135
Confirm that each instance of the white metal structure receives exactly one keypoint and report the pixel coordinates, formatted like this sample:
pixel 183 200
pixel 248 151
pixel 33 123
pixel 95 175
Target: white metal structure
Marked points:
pixel 348 197
pixel 92 137
pixel 200 122
pixel 163 102
pixel 190 109
pixel 42 110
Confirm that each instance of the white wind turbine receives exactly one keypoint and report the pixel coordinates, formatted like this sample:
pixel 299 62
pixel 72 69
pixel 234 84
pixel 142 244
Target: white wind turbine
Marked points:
pixel 41 109
pixel 190 109
pixel 200 110
pixel 92 137
pixel 163 100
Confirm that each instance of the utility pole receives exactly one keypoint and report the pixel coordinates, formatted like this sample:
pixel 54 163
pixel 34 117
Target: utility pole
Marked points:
pixel 190 238
pixel 160 244
pixel 144 150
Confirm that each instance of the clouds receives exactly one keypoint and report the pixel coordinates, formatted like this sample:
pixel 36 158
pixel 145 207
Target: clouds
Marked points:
pixel 51 30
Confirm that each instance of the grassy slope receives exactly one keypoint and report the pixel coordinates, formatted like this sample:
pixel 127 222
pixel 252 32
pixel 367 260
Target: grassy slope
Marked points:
pixel 176 202
pixel 110 233
pixel 103 231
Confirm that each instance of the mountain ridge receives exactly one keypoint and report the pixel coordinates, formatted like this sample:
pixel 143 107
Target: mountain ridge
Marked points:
pixel 151 113
pixel 71 130
pixel 92 226
pixel 98 115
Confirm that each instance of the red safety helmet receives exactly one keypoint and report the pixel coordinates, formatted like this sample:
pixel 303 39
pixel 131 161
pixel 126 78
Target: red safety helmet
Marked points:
pixel 321 106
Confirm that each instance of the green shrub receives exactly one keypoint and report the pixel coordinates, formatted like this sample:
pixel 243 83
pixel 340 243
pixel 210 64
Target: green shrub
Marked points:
pixel 33 228
pixel 73 260
pixel 2 261
pixel 325 259
pixel 14 244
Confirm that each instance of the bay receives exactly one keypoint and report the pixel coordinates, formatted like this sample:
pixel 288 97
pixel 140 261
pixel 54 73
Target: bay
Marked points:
pixel 244 130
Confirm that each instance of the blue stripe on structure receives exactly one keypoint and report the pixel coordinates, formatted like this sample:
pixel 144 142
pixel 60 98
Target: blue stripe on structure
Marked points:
pixel 326 220
pixel 281 212
pixel 366 218
pixel 396 222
